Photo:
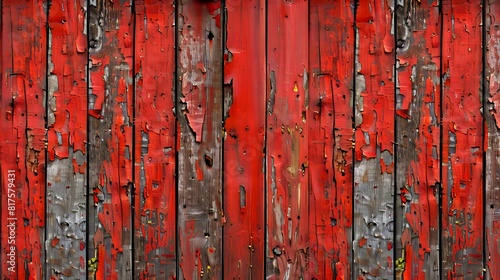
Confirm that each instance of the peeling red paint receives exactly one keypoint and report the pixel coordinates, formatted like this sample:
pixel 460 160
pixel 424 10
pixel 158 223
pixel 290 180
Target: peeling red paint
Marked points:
pixel 155 215
pixel 22 153
pixel 67 136
pixel 418 111
pixel 374 120
pixel 110 152
pixel 244 79
pixel 462 228
pixel 199 112
pixel 330 125
pixel 287 140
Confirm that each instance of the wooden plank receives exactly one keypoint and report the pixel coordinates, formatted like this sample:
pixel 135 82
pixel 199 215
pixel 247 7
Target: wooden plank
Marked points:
pixel 287 140
pixel 418 104
pixel 67 138
pixel 492 151
pixel 111 39
pixel 331 45
pixel 199 109
pixel 22 149
pixel 374 152
pixel 244 140
pixel 462 136
pixel 155 202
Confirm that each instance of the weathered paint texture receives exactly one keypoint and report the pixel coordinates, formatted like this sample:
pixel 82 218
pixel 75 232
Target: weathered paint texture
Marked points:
pixel 110 111
pixel 155 201
pixel 331 45
pixel 462 136
pixel 67 137
pixel 418 104
pixel 287 140
pixel 250 139
pixel 199 109
pixel 374 139
pixel 492 167
pixel 245 105
pixel 22 128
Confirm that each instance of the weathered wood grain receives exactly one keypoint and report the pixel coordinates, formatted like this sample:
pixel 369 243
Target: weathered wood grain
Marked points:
pixel 22 127
pixel 155 126
pixel 492 168
pixel 287 140
pixel 110 109
pixel 329 118
pixel 374 152
pixel 418 33
pixel 199 109
pixel 244 139
pixel 67 137
pixel 462 202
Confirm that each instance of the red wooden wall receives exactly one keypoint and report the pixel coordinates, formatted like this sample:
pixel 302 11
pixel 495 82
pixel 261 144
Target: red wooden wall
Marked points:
pixel 250 139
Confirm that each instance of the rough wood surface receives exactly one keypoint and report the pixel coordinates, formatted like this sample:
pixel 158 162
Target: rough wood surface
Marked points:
pixel 67 137
pixel 110 110
pixel 418 104
pixel 374 135
pixel 245 106
pixel 199 109
pixel 329 118
pixel 22 128
pixel 155 127
pixel 462 136
pixel 491 113
pixel 287 140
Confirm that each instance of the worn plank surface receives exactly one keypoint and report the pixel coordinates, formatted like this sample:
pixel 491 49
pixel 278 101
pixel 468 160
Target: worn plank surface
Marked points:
pixel 199 109
pixel 418 104
pixel 286 141
pixel 110 111
pixel 155 127
pixel 462 136
pixel 374 135
pixel 245 107
pixel 329 118
pixel 492 167
pixel 67 137
pixel 22 154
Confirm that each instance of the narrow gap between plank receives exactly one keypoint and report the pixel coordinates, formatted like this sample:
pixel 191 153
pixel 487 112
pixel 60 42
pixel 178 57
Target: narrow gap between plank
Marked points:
pixel 353 124
pixel 222 98
pixel 134 183
pixel 395 155
pixel 46 168
pixel 265 152
pixel 441 148
pixel 87 167
pixel 176 130
pixel 485 134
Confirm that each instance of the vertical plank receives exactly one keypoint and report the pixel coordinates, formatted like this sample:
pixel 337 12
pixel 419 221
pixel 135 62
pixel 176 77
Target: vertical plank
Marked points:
pixel 374 152
pixel 417 125
pixel 200 112
pixel 462 202
pixel 331 45
pixel 110 139
pixel 244 140
pixel 155 202
pixel 22 150
pixel 67 137
pixel 492 168
pixel 286 144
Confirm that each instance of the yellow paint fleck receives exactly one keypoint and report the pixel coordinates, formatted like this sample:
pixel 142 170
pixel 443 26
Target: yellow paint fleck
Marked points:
pixel 295 88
